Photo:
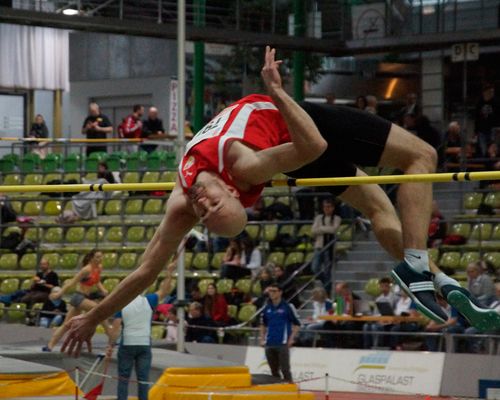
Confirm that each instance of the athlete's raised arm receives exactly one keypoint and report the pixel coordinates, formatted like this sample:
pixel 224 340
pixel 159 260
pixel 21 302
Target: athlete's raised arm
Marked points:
pixel 178 220
pixel 307 143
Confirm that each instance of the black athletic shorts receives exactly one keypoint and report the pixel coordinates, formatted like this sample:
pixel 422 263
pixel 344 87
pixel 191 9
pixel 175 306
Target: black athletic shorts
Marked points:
pixel 354 138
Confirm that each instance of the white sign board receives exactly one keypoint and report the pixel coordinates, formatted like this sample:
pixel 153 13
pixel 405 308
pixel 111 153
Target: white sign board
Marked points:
pixel 465 52
pixel 368 21
pixel 173 109
pixel 360 370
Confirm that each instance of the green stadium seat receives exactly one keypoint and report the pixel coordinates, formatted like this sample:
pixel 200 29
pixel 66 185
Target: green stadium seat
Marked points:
pixel 201 261
pixel 288 229
pixel 244 285
pixel 495 235
pixel 52 208
pixel 460 229
pixel 53 259
pixel 450 259
pixel 253 231
pixel 17 313
pixel 90 176
pixel 114 161
pixel 268 200
pixel 9 285
pixel 433 254
pixel 309 256
pixel 493 258
pixel 32 208
pixel 133 206
pixel 71 163
pixel 113 207
pixel 151 177
pixel 284 200
pixel 17 206
pixel 246 313
pixel 93 160
pixel 153 206
pixel 295 257
pixel 217 259
pixel 33 179
pixel 95 234
pixel 11 179
pixel 493 199
pixel 110 284
pixel 232 311
pixel 156 160
pixel 7 164
pixel 158 332
pixel 72 176
pixel 203 284
pixel 136 234
pixel 30 162
pixel 51 162
pixel 372 288
pixel 28 262
pixel 33 234
pixel 11 229
pixel 127 261
pixel 137 160
pixel 131 177
pixel 277 257
pixel 472 200
pixel 8 261
pixel 224 285
pixel 168 176
pixel 481 231
pixel 345 233
pixel 115 234
pixel 256 288
pixel 305 230
pixel 150 233
pixel 469 257
pixel 188 259
pixel 26 284
pixel 75 234
pixel 69 261
pixel 51 177
pixel 54 235
pixel 270 232
pixel 109 260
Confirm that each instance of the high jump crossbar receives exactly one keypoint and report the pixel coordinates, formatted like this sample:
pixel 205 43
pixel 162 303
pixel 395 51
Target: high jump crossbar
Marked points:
pixel 67 140
pixel 301 182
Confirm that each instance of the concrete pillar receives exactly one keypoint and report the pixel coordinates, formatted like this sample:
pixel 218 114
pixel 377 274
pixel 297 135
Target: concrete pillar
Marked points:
pixel 433 87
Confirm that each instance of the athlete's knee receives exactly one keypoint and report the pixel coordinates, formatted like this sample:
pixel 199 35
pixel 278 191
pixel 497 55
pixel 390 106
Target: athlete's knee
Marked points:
pixel 423 159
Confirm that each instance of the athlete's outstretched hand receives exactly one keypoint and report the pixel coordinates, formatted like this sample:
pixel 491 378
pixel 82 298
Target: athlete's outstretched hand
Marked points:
pixel 270 71
pixel 80 330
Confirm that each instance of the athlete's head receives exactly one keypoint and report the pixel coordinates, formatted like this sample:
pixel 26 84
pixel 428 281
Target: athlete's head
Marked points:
pixel 218 206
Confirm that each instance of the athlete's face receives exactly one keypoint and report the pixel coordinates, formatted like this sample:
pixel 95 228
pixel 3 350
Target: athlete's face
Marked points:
pixel 218 207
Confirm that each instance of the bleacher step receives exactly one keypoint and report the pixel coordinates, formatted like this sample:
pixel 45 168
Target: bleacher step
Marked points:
pixel 364 255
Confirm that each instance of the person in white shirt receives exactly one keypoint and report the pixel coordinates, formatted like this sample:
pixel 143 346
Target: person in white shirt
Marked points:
pixel 322 305
pixel 251 256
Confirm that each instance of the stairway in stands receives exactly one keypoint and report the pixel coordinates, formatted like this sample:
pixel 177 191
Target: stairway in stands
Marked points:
pixel 368 260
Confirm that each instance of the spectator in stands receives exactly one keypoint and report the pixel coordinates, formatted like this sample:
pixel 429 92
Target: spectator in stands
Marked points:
pixel 39 131
pixel 232 266
pixel 388 296
pixel 322 305
pixel 96 126
pixel 421 126
pixel 131 126
pixel 287 286
pixel 53 310
pixel 133 324
pixel 360 102
pixel 86 281
pixel 371 104
pixel 104 173
pixel 475 345
pixel 454 324
pixel 265 279
pixel 279 326
pixel 195 323
pixel 152 128
pixel 404 307
pixel 480 284
pixel 236 297
pixel 251 256
pixel 215 306
pixel 7 214
pixel 453 142
pixel 487 117
pixel 323 231
pixel 172 321
pixel 437 228
pixel 196 294
pixel 43 282
pixel 255 212
pixel 411 107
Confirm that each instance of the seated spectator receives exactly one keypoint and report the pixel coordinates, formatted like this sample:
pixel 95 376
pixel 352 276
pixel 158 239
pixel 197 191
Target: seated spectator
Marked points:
pixel 323 231
pixel 7 214
pixel 480 284
pixel 39 130
pixel 453 142
pixel 53 310
pixel 255 212
pixel 195 323
pixel 386 295
pixel 43 282
pixel 215 306
pixel 289 288
pixel 264 279
pixel 172 321
pixel 152 128
pixel 322 305
pixel 104 173
pixel 131 126
pixel 360 103
pixel 404 307
pixel 437 227
pixel 454 324
pixel 235 297
pixel 251 256
pixel 232 266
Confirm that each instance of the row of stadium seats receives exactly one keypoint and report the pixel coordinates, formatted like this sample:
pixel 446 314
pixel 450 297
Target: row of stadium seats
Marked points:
pixel 476 231
pixel 129 260
pixel 459 261
pixel 473 200
pixel 30 162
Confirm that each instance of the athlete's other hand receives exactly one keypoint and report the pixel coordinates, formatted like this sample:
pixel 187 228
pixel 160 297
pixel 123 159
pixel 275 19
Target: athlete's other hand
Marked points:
pixel 270 71
pixel 80 330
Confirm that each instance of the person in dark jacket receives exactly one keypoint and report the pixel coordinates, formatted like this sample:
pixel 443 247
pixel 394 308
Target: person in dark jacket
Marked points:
pixel 195 321
pixel 39 128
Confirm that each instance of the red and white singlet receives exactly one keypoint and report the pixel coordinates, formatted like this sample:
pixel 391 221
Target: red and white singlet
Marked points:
pixel 253 120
